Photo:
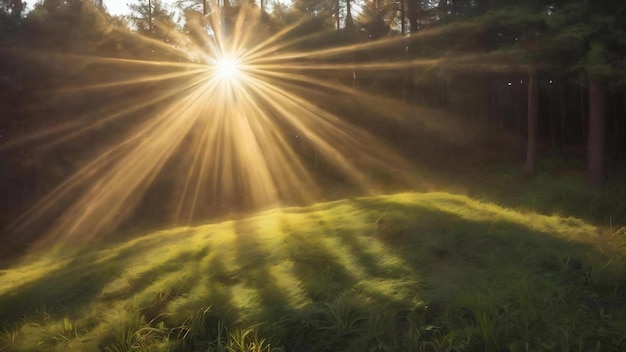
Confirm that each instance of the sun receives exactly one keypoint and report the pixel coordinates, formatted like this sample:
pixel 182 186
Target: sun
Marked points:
pixel 228 68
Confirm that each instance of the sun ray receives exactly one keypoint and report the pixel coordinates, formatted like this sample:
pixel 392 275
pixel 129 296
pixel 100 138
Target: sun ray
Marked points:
pixel 321 128
pixel 232 119
pixel 115 61
pixel 75 128
pixel 277 42
pixel 134 81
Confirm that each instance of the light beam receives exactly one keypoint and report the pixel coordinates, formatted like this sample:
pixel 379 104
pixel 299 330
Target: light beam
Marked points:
pixel 229 125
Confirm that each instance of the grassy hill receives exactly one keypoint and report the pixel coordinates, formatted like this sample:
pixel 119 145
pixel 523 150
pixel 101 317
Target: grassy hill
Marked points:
pixel 401 272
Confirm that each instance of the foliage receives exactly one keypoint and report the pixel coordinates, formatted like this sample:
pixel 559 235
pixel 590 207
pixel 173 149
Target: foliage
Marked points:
pixel 153 19
pixel 11 8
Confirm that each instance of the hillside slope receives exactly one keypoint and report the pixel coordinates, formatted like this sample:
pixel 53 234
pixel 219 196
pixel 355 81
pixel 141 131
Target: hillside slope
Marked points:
pixel 402 272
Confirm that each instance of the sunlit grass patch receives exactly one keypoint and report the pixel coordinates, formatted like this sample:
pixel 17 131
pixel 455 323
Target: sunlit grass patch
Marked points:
pixel 432 270
pixel 11 279
pixel 131 331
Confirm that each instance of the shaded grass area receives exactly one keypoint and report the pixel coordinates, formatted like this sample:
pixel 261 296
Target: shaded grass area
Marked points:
pixel 560 188
pixel 401 272
pixel 455 153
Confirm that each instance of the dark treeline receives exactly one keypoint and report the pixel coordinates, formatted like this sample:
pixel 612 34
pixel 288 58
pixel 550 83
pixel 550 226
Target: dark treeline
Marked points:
pixel 552 73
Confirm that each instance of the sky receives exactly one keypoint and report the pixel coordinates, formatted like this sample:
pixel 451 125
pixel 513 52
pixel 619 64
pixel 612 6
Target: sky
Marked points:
pixel 119 7
pixel 115 7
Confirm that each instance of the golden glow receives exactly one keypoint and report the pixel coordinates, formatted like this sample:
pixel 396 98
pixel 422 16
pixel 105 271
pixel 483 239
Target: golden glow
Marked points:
pixel 228 68
pixel 236 124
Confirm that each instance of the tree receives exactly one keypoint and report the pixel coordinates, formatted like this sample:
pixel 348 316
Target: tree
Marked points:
pixel 152 17
pixel 598 71
pixel 320 15
pixel 535 27
pixel 596 160
pixel 413 9
pixel 349 20
pixel 376 17
pixel 606 45
pixel 13 8
pixel 594 36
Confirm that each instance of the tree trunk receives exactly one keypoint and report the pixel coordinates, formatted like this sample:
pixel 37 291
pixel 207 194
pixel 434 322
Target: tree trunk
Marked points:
pixel 521 116
pixel 562 105
pixel 551 122
pixel 413 9
pixel 337 7
pixel 493 101
pixel 444 96
pixel 533 117
pixel 402 18
pixel 442 9
pixel 614 123
pixel 583 121
pixel 622 130
pixel 596 162
pixel 150 16
pixel 349 21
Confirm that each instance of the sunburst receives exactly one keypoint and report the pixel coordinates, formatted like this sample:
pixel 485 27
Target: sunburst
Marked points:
pixel 228 68
pixel 238 125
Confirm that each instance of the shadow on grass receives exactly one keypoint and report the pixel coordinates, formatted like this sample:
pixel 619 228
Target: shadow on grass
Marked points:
pixel 65 290
pixel 72 283
pixel 458 255
pixel 401 272
pixel 255 270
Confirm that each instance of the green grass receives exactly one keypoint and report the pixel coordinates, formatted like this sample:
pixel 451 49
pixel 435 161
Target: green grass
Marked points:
pixel 401 272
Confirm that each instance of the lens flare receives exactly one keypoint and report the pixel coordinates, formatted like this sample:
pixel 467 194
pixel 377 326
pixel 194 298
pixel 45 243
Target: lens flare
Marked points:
pixel 238 119
pixel 228 68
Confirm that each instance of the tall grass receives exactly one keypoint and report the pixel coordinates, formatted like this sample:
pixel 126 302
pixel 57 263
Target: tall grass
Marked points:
pixel 401 272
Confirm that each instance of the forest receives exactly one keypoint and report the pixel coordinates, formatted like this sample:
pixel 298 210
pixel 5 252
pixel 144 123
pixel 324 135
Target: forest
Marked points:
pixel 313 175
